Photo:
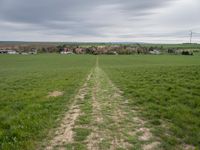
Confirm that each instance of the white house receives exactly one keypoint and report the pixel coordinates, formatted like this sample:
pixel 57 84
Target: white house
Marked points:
pixel 155 52
pixel 12 52
pixel 33 51
pixel 8 52
pixel 64 52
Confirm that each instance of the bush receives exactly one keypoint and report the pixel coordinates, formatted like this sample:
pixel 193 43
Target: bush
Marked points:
pixel 186 53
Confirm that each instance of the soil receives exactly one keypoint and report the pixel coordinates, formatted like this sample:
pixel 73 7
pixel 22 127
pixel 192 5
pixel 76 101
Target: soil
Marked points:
pixel 55 94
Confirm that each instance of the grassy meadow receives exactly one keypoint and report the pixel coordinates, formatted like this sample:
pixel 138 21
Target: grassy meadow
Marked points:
pixel 165 90
pixel 26 111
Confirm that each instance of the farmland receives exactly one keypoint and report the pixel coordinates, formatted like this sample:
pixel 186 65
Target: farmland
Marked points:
pixel 103 102
pixel 165 90
pixel 26 111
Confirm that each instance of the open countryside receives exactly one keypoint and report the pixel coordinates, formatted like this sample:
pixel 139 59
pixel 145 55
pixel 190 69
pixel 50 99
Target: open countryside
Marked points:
pixel 99 75
pixel 52 101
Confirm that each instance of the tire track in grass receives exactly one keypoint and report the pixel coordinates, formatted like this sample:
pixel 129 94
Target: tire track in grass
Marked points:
pixel 114 124
pixel 81 128
pixel 106 132
pixel 100 118
pixel 96 135
pixel 64 133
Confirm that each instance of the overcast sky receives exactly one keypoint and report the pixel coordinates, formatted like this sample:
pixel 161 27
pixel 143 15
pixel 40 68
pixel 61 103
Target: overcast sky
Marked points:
pixel 157 21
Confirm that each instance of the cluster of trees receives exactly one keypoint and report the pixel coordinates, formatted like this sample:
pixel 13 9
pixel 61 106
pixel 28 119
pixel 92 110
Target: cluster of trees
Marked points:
pixel 186 53
pixel 179 51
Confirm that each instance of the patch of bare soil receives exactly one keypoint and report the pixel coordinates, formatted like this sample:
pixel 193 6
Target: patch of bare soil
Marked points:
pixel 119 143
pixel 55 94
pixel 151 146
pixel 118 117
pixel 188 147
pixel 146 134
pixel 64 133
pixel 93 140
pixel 96 105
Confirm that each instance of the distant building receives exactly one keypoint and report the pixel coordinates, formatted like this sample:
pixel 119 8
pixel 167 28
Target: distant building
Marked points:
pixel 155 52
pixel 66 49
pixel 33 51
pixel 112 53
pixel 115 53
pixel 67 53
pixel 3 52
pixel 79 50
pixel 24 53
pixel 8 52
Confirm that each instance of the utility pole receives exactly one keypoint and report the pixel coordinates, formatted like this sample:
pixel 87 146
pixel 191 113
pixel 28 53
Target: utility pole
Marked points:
pixel 191 34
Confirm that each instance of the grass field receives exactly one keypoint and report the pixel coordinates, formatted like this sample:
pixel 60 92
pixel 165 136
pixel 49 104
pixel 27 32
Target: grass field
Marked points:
pixel 166 92
pixel 26 111
pixel 108 102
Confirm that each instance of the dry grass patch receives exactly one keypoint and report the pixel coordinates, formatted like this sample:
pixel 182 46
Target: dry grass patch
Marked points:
pixel 55 94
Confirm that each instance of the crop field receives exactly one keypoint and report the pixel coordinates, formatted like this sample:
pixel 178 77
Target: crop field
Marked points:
pixel 99 102
pixel 165 90
pixel 27 111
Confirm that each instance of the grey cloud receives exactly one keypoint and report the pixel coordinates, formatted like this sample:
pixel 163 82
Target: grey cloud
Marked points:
pixel 36 11
pixel 80 19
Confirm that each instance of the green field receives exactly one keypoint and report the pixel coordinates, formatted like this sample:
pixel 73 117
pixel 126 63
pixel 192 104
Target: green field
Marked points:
pixel 26 113
pixel 162 92
pixel 165 90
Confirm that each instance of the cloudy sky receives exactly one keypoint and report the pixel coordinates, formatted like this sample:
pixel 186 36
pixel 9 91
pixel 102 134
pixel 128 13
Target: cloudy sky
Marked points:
pixel 157 21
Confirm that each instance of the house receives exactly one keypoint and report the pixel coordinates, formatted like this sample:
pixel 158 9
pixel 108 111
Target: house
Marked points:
pixel 12 52
pixel 3 51
pixel 79 50
pixel 24 53
pixel 33 51
pixel 8 52
pixel 112 53
pixel 67 51
pixel 155 52
pixel 115 53
pixel 63 52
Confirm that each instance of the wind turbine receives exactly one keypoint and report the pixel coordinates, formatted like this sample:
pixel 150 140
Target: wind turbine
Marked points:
pixel 191 34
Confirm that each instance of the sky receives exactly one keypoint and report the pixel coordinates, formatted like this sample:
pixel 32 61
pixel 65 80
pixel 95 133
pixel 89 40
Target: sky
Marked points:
pixel 150 21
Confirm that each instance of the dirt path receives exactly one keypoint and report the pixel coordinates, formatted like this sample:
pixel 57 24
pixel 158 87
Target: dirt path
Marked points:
pixel 64 133
pixel 100 118
pixel 114 124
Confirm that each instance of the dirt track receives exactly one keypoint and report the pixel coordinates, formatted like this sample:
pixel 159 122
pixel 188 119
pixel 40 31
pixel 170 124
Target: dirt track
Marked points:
pixel 113 125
